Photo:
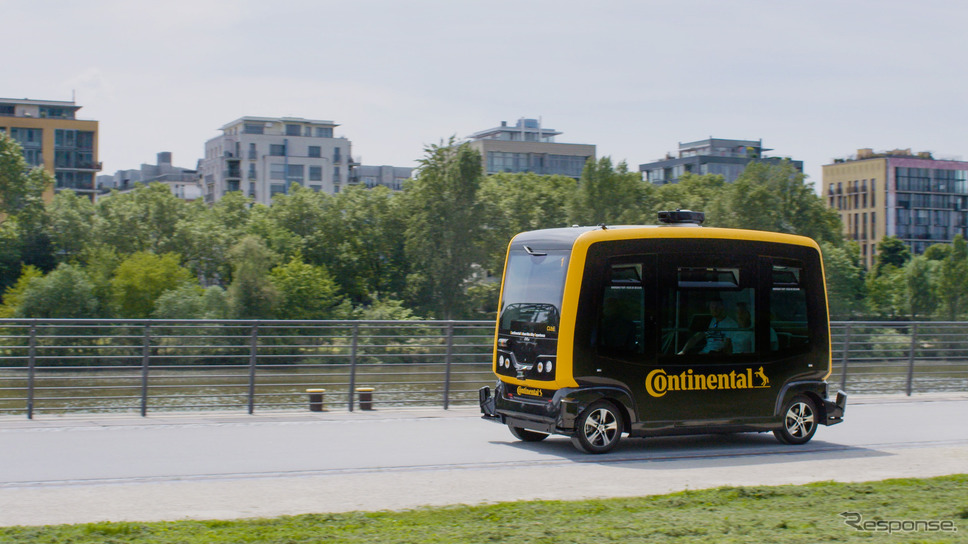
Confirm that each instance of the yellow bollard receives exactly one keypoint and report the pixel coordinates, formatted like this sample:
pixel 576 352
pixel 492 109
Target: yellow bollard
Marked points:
pixel 315 399
pixel 366 397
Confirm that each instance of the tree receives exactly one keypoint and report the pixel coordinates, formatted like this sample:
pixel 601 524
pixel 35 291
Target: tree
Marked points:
pixel 71 224
pixel 142 220
pixel 362 241
pixel 306 292
pixel 443 232
pixel 23 236
pixel 21 187
pixel 776 197
pixel 514 203
pixel 693 192
pixel 143 277
pixel 953 279
pixel 13 295
pixel 251 295
pixel 922 297
pixel 64 293
pixel 609 195
pixel 886 292
pixel 845 274
pixel 192 302
pixel 891 251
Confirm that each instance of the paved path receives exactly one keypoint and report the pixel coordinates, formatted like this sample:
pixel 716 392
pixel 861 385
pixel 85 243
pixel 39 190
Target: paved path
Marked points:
pixel 83 469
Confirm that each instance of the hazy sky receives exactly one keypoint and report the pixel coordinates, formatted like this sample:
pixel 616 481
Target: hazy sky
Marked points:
pixel 814 80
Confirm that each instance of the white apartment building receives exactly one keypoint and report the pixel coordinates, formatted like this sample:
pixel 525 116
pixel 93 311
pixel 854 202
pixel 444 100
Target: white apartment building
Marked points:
pixel 265 156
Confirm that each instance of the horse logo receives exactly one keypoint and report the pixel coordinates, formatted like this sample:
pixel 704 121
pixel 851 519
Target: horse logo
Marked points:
pixel 762 376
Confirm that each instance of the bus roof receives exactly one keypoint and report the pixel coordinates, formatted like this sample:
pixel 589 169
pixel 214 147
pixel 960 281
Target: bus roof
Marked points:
pixel 565 238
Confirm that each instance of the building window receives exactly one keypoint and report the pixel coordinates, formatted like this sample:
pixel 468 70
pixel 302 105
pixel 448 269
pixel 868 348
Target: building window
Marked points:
pixel 295 173
pixel 315 151
pixel 293 130
pixel 252 152
pixel 277 171
pixel 315 173
pixel 336 178
pixel 252 171
pixel 276 188
pixel 324 132
pixel 336 154
pixel 277 150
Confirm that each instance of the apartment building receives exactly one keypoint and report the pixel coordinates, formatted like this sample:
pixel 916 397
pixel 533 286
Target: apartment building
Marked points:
pixel 919 199
pixel 372 176
pixel 528 147
pixel 183 182
pixel 53 138
pixel 265 156
pixel 727 158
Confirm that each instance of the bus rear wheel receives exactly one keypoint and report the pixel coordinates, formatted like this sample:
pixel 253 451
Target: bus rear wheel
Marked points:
pixel 598 428
pixel 799 421
pixel 525 435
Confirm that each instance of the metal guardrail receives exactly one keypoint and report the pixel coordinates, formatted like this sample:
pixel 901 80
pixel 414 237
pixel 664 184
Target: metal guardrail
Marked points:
pixel 125 365
pixel 58 366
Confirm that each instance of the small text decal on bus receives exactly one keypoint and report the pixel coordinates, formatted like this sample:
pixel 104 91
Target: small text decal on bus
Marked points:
pixel 529 391
pixel 658 382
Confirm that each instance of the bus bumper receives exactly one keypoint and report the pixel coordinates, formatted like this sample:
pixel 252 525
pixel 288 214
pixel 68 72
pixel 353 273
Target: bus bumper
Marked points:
pixel 548 416
pixel 834 409
pixel 487 405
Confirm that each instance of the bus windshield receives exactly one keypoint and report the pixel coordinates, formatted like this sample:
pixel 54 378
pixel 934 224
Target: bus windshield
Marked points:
pixel 533 287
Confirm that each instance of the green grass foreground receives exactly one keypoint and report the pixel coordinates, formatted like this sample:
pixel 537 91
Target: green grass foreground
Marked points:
pixel 787 514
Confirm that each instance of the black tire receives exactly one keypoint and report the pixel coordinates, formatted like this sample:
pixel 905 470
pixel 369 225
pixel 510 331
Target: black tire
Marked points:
pixel 799 423
pixel 598 428
pixel 525 435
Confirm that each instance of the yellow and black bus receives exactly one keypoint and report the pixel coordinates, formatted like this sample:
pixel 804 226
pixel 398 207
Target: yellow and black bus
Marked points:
pixel 661 330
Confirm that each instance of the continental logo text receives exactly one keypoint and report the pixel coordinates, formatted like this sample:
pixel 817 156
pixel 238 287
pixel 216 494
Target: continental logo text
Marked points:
pixel 528 391
pixel 659 382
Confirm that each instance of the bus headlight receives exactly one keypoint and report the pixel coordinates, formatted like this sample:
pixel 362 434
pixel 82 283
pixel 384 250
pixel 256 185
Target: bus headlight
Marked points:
pixel 540 368
pixel 548 367
pixel 500 361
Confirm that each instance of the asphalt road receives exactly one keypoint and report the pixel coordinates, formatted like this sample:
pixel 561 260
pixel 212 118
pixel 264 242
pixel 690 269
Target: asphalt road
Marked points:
pixel 203 466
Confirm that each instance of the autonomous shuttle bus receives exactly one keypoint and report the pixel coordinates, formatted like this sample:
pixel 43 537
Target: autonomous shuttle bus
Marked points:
pixel 661 330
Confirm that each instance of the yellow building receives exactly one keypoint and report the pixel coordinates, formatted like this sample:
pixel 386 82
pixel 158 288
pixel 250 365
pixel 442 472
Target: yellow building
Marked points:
pixel 52 137
pixel 919 199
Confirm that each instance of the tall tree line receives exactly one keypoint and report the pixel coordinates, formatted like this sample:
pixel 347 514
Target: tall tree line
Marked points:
pixel 433 250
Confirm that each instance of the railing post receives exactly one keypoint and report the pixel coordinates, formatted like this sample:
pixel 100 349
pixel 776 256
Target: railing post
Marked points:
pixel 253 358
pixel 31 368
pixel 448 359
pixel 145 364
pixel 844 358
pixel 914 343
pixel 353 346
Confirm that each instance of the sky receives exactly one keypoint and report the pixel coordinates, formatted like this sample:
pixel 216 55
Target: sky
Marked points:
pixel 813 80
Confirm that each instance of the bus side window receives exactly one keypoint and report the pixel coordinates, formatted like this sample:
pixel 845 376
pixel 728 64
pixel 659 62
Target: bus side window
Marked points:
pixel 621 320
pixel 708 313
pixel 789 330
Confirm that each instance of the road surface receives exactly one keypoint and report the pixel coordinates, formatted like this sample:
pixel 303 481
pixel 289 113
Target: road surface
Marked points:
pixel 206 466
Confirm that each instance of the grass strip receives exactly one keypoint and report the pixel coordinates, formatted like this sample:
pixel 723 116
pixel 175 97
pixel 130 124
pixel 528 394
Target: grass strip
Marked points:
pixel 893 511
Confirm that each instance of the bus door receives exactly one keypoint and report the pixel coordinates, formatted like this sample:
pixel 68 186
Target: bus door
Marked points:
pixel 709 367
pixel 624 335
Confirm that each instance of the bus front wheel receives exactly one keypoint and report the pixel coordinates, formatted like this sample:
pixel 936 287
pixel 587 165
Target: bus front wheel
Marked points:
pixel 799 421
pixel 598 428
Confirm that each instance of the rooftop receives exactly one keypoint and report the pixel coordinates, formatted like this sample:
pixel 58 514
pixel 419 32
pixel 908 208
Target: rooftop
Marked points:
pixel 524 130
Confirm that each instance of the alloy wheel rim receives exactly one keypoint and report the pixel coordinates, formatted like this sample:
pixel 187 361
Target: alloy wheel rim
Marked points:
pixel 799 420
pixel 600 427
